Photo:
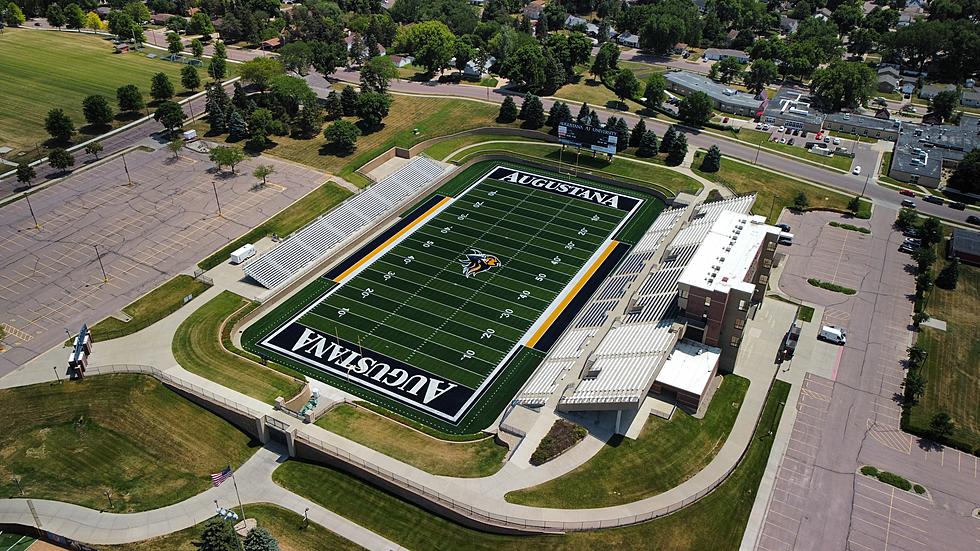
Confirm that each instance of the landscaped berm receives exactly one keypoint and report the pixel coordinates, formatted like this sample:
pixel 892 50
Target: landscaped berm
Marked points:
pixel 445 315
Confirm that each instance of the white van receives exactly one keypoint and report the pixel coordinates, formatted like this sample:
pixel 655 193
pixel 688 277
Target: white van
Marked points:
pixel 243 253
pixel 833 334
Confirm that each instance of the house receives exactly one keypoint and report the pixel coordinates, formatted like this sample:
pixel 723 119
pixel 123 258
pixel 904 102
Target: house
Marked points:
pixel 824 14
pixel 681 48
pixel 473 71
pixel 717 54
pixel 965 245
pixel 103 11
pixel 970 98
pixel 402 61
pixel 534 8
pixel 629 40
pixel 572 22
pixel 591 29
pixel 905 20
pixel 192 11
pixel 161 18
pixel 723 98
pixel 787 24
pixel 367 51
pixel 271 44
pixel 930 91
pixel 889 80
pixel 908 88
pixel 122 48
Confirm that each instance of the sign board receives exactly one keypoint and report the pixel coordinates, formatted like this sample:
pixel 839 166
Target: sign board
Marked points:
pixel 588 137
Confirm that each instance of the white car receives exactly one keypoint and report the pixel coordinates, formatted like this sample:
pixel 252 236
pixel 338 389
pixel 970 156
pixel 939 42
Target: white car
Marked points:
pixel 758 126
pixel 782 128
pixel 857 170
pixel 836 141
pixel 782 140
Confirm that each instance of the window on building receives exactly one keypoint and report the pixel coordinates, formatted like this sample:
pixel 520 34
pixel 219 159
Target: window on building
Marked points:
pixel 742 305
pixel 763 280
pixel 682 292
pixel 739 324
pixel 707 301
pixel 771 246
pixel 767 262
pixel 736 341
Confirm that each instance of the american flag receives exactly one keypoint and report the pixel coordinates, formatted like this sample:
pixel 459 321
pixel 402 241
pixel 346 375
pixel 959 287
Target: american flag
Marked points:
pixel 218 478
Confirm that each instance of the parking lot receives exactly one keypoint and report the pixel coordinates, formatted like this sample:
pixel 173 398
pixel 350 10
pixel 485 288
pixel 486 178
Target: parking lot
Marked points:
pixel 886 517
pixel 52 278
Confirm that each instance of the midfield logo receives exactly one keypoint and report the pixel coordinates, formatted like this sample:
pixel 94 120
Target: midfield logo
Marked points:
pixel 476 262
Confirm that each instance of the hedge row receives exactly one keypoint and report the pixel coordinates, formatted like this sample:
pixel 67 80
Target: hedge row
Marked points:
pixel 562 436
pixel 831 286
pixel 850 227
pixel 891 479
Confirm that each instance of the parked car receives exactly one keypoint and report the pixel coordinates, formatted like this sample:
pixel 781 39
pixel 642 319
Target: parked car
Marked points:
pixel 758 126
pixel 791 141
pixel 857 170
pixel 906 248
pixel 826 139
pixel 913 241
pixel 725 120
pixel 784 227
pixel 782 140
pixel 908 203
pixel 973 220
pixel 789 131
pixel 907 192
pixel 836 141
pixel 796 131
pixel 934 199
pixel 833 334
pixel 957 206
pixel 912 232
pixel 819 136
pixel 803 134
pixel 782 128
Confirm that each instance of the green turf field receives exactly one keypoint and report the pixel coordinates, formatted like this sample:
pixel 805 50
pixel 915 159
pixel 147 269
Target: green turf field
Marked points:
pixel 449 315
pixel 14 542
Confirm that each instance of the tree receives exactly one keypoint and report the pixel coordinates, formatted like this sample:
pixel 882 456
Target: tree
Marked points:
pixel 200 23
pixel 534 116
pixel 917 355
pixel 94 148
pixel 59 125
pixel 949 275
pixel 175 145
pixel 626 86
pixel 925 257
pixel 372 108
pixel 729 69
pixel 678 150
pixel 915 386
pixel 93 21
pixel 74 17
pixel 638 131
pixel 944 103
pixel 712 160
pixel 508 110
pixel 25 174
pixel 431 41
pixel 376 73
pixel 263 172
pixel 219 63
pixel 197 48
pixel 847 15
pixel 260 123
pixel 655 90
pixel 343 136
pixel 218 535
pixel 648 144
pixel 695 109
pixel 237 129
pixel 348 98
pixel 966 177
pixel 932 231
pixel 762 73
pixel 801 201
pixel 525 67
pixel 906 219
pixel 170 115
pixel 941 426
pixel 260 71
pixel 583 113
pixel 668 140
pixel 97 110
pixel 334 107
pixel 259 539
pixel 623 133
pixel 175 23
pixel 227 156
pixel 129 98
pixel 174 44
pixel 55 16
pixel 843 84
pixel 14 17
pixel 161 88
pixel 138 11
pixel 189 78
pixel 297 57
pixel 61 159
pixel 605 59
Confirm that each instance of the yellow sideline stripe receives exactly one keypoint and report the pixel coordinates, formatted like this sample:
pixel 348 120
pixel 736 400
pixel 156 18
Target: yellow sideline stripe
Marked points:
pixel 568 298
pixel 390 240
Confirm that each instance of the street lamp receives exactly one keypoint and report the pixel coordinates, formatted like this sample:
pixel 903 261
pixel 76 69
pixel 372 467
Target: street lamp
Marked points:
pixel 306 516
pixel 108 496
pixel 16 480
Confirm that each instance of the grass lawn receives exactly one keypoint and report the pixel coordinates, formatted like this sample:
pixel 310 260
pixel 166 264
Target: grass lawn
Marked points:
pixel 852 137
pixel 715 522
pixel 641 70
pixel 775 192
pixel 952 368
pixel 756 137
pixel 595 94
pixel 432 117
pixel 286 526
pixel 124 433
pixel 198 349
pixel 290 219
pixel 444 148
pixel 150 308
pixel 460 459
pixel 44 70
pixel 623 166
pixel 623 472
pixel 15 542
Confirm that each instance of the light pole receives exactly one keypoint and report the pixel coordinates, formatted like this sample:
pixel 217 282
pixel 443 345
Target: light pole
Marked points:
pixel 56 374
pixel 129 179
pixel 27 196
pixel 105 278
pixel 16 480
pixel 215 187
pixel 108 496
pixel 306 517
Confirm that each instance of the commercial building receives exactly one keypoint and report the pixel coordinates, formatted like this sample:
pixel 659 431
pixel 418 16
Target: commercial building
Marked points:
pixel 863 125
pixel 965 245
pixel 923 150
pixel 724 98
pixel 791 108
pixel 718 54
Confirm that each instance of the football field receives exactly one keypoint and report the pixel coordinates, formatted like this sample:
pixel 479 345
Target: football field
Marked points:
pixel 431 314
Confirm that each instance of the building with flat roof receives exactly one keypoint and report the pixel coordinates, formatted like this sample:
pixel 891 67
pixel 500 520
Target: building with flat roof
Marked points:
pixel 965 245
pixel 923 150
pixel 725 280
pixel 863 125
pixel 729 100
pixel 718 54
pixel 688 372
pixel 791 108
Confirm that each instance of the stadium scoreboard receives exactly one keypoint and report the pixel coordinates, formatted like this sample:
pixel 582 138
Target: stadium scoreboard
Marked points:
pixel 588 137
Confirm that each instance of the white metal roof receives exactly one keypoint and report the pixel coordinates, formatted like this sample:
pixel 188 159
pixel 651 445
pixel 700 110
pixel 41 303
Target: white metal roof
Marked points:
pixel 727 252
pixel 689 367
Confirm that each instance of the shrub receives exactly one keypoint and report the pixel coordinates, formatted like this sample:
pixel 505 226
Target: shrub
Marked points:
pixel 831 286
pixel 918 489
pixel 850 227
pixel 869 470
pixel 894 480
pixel 562 436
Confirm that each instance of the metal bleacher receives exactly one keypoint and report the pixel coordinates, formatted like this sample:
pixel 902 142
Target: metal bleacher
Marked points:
pixel 309 245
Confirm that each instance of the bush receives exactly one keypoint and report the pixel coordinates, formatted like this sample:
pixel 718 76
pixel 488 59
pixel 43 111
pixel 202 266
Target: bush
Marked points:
pixel 562 436
pixel 918 489
pixel 869 470
pixel 850 227
pixel 894 480
pixel 831 286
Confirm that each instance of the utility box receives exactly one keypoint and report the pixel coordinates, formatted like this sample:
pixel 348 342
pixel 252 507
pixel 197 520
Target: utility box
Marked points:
pixel 190 135
pixel 243 253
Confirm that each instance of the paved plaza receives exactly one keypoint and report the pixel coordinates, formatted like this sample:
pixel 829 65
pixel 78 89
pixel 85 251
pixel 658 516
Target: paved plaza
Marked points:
pixel 162 224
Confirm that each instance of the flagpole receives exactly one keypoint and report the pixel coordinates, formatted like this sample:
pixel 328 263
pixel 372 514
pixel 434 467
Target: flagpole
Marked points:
pixel 240 506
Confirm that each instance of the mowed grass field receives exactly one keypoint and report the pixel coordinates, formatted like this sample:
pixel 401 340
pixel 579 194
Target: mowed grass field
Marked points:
pixel 952 368
pixel 42 70
pixel 127 434
pixel 625 470
pixel 150 308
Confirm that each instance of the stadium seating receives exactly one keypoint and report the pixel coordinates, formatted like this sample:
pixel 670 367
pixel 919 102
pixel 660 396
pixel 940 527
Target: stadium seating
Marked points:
pixel 309 245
